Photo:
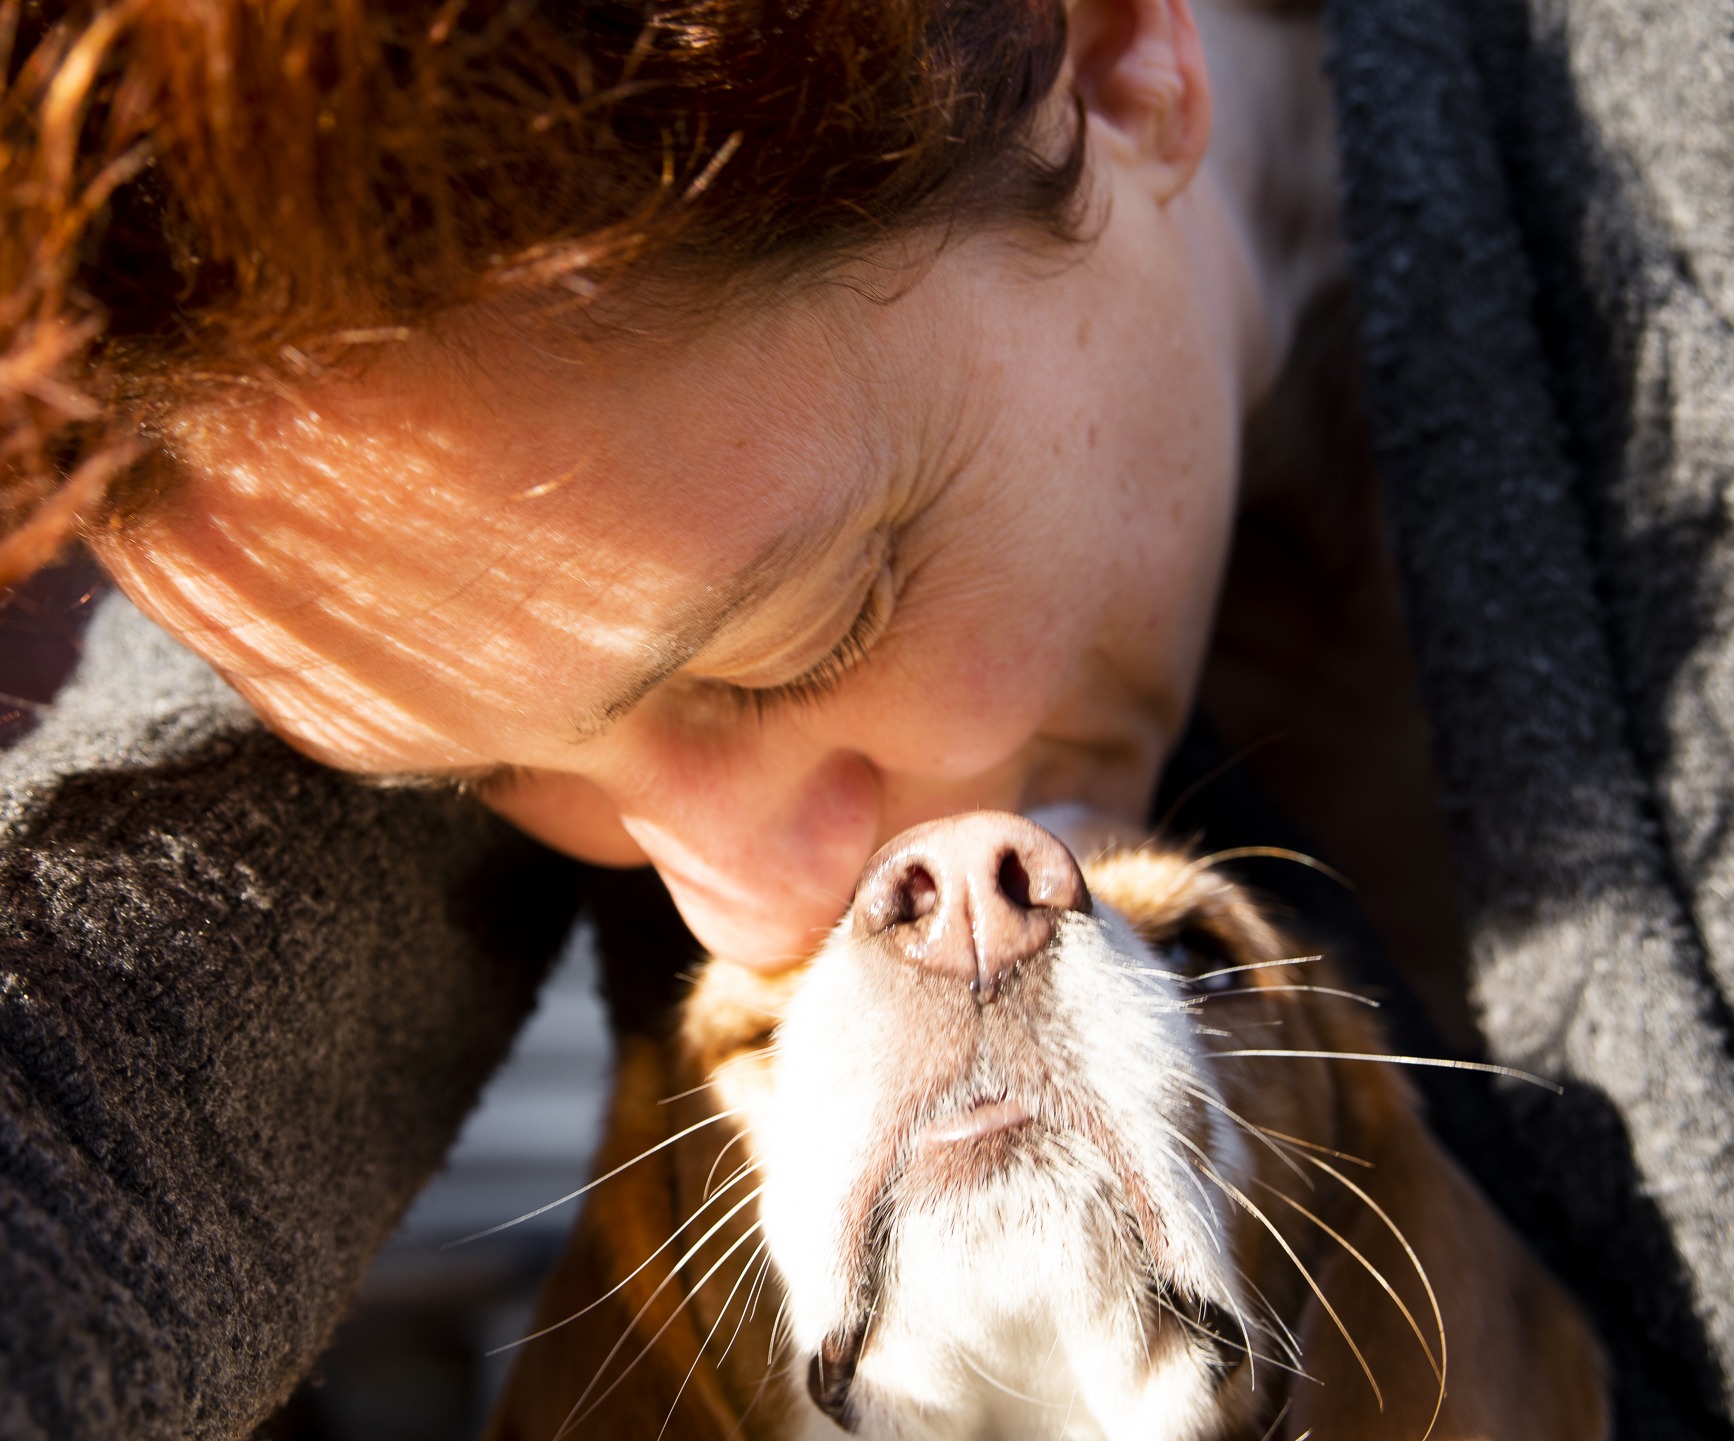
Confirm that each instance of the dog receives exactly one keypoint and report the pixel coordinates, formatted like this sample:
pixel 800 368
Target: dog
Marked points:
pixel 1035 1150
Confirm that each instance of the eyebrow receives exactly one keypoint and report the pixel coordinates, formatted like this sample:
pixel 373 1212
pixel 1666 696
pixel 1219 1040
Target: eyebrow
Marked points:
pixel 696 625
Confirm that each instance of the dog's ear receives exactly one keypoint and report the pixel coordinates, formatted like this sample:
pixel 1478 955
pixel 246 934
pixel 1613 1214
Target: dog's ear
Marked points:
pixel 1163 893
pixel 1518 1362
pixel 612 1321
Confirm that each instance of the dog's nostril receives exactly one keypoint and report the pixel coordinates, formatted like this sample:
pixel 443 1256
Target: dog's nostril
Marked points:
pixel 971 897
pixel 1014 880
pixel 916 896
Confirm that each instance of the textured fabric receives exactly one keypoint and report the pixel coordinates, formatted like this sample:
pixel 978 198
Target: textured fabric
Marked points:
pixel 1539 207
pixel 244 1004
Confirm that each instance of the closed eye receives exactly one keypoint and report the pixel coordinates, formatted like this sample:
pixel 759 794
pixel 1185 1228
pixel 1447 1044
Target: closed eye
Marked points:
pixel 474 781
pixel 823 677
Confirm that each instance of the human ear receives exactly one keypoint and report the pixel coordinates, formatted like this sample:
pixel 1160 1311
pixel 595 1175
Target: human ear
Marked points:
pixel 1138 67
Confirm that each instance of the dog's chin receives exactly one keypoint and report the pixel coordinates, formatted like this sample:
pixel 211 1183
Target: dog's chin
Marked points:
pixel 1013 1295
pixel 969 1244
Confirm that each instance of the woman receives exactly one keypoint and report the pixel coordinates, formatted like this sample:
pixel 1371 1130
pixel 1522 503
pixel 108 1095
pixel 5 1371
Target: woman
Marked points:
pixel 719 443
pixel 742 584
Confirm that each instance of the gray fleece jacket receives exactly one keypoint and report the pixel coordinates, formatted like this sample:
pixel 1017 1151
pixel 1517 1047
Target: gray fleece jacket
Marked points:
pixel 245 1002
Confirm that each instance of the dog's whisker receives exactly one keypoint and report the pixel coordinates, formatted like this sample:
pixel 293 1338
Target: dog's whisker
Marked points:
pixel 1180 978
pixel 699 1089
pixel 1206 1224
pixel 592 1185
pixel 1253 1355
pixel 1322 1150
pixel 1256 1132
pixel 1161 973
pixel 759 1285
pixel 1053 1346
pixel 1193 1325
pixel 1270 1430
pixel 783 1332
pixel 778 1321
pixel 750 1164
pixel 627 1280
pixel 1207 1215
pixel 1372 1270
pixel 1278 1331
pixel 1136 1306
pixel 999 1385
pixel 721 1316
pixel 762 1052
pixel 770 1372
pixel 750 1311
pixel 1420 1272
pixel 1247 1329
pixel 727 1146
pixel 1272 853
pixel 1066 1420
pixel 750 1307
pixel 716 1071
pixel 1336 991
pixel 1441 1063
pixel 1234 1192
pixel 1313 1286
pixel 1254 966
pixel 579 1411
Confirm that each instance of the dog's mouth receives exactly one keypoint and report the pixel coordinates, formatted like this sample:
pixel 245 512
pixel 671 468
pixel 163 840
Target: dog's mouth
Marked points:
pixel 1038 1134
pixel 967 1150
pixel 986 1117
pixel 953 1151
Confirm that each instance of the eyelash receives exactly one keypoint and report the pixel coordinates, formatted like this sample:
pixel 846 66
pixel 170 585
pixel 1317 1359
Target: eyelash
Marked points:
pixel 466 783
pixel 501 777
pixel 824 678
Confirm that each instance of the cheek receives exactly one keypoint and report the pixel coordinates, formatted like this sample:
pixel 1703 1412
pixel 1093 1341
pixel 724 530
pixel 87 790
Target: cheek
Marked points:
pixel 568 812
pixel 963 688
pixel 1007 599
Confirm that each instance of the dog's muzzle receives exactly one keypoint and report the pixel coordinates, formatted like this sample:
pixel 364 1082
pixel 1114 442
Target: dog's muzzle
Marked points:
pixel 971 897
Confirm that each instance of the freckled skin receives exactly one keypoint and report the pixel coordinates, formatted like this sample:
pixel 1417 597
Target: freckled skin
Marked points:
pixel 473 552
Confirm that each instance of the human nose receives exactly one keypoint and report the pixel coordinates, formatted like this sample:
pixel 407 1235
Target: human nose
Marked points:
pixel 761 859
pixel 968 898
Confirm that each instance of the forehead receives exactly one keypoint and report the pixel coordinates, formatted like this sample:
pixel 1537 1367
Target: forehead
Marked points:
pixel 509 502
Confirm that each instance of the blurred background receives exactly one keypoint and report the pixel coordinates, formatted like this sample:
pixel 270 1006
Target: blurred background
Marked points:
pixel 418 1358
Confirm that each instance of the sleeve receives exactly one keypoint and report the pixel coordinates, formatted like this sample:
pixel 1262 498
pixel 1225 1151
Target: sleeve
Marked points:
pixel 245 1003
pixel 1542 236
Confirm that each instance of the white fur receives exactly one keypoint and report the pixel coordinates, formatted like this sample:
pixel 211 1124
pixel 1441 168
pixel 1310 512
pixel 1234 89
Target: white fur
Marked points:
pixel 1009 1311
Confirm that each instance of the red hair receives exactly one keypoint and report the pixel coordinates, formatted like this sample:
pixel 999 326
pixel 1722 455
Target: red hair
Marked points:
pixel 193 188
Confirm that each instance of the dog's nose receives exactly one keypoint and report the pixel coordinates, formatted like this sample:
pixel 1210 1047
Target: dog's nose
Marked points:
pixel 970 896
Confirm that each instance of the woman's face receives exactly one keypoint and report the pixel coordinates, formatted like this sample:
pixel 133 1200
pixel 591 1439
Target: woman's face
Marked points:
pixel 747 604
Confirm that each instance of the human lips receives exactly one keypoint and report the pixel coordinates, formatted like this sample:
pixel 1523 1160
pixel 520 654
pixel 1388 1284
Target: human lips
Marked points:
pixel 762 932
